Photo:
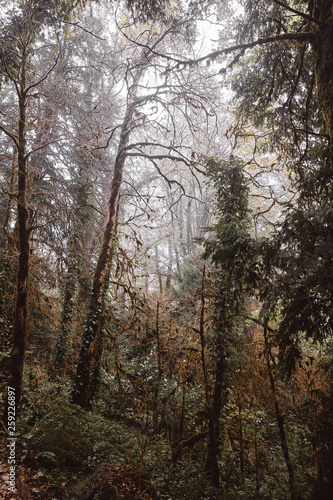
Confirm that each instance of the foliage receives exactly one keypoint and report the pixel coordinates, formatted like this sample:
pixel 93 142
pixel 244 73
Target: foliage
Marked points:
pixel 232 248
pixel 275 85
pixel 188 393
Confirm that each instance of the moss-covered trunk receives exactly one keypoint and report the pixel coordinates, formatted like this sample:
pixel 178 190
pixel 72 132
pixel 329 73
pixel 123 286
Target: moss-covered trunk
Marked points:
pixel 82 379
pixel 73 279
pixel 20 320
pixel 81 388
pixel 280 421
pixel 211 466
pixel 90 347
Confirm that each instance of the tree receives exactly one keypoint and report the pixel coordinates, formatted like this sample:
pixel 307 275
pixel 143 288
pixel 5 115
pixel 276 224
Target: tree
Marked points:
pixel 234 254
pixel 145 112
pixel 19 36
pixel 284 91
pixel 272 27
pixel 93 112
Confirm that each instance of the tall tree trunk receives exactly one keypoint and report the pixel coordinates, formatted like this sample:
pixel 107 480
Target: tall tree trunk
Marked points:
pixel 20 321
pixel 81 388
pixel 156 401
pixel 67 313
pixel 214 407
pixel 211 466
pixel 170 262
pixel 98 350
pixel 158 271
pixel 180 221
pixel 175 249
pixel 323 49
pixel 82 378
pixel 223 325
pixel 71 287
pixel 279 418
pixel 189 231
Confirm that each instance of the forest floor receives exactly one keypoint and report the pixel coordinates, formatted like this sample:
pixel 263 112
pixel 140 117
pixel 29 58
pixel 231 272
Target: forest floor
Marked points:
pixel 22 491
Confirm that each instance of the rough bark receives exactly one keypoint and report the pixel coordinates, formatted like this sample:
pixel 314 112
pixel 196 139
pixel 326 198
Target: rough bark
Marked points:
pixel 73 293
pixel 158 270
pixel 280 422
pixel 81 388
pixel 323 66
pixel 156 401
pixel 170 262
pixel 68 310
pixel 20 320
pixel 211 466
pixel 83 372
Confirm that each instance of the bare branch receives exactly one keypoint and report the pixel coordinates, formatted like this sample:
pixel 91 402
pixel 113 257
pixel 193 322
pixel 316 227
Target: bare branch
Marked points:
pixel 37 226
pixel 306 37
pixel 11 135
pixel 34 85
pixel 77 25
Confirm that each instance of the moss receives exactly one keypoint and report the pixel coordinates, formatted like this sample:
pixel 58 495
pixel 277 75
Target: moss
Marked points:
pixel 75 440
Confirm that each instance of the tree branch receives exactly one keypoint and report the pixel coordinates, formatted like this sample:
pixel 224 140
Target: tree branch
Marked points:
pixel 306 37
pixel 11 135
pixel 301 14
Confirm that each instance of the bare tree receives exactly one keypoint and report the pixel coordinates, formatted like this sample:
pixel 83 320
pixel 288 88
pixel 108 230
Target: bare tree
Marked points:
pixel 148 134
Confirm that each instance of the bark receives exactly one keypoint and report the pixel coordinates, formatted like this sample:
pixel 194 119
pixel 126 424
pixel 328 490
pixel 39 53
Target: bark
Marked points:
pixel 170 262
pixel 156 426
pixel 98 350
pixel 202 336
pixel 211 466
pixel 83 372
pixel 241 445
pixel 189 232
pixel 68 310
pixel 214 407
pixel 256 458
pixel 180 220
pixel 175 250
pixel 20 320
pixel 81 388
pixel 10 236
pixel 223 325
pixel 323 66
pixel 73 291
pixel 158 271
pixel 280 422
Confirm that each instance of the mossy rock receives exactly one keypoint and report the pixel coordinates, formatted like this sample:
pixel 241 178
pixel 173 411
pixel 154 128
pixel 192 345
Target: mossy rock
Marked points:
pixel 48 459
pixel 72 439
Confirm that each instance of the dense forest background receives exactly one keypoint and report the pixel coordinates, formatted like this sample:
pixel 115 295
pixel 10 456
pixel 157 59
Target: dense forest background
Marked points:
pixel 166 249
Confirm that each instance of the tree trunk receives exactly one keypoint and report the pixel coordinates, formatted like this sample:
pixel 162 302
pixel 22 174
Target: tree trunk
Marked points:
pixel 279 418
pixel 82 379
pixel 98 350
pixel 158 271
pixel 73 287
pixel 323 49
pixel 81 388
pixel 215 411
pixel 156 426
pixel 68 310
pixel 170 262
pixel 20 321
pixel 189 232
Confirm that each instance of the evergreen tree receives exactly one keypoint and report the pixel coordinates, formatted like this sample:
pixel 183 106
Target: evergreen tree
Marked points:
pixel 233 251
